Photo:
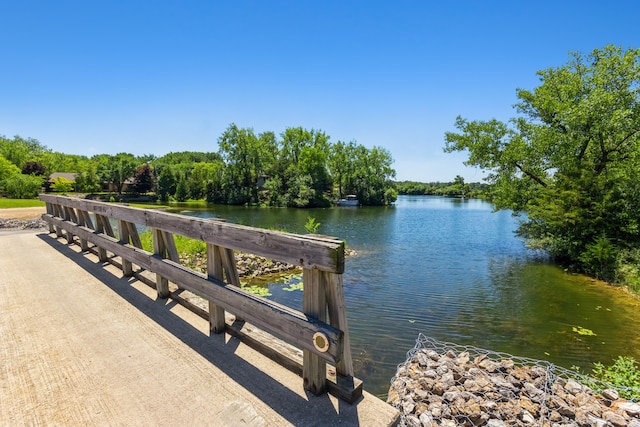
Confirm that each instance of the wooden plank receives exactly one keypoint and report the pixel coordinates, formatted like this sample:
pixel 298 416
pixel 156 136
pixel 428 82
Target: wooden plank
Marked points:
pixel 50 211
pixel 106 225
pixel 72 215
pixel 215 271
pixel 160 249
pixel 81 221
pixel 314 305
pixel 57 209
pixel 343 385
pixel 86 219
pixel 125 238
pixel 170 246
pixel 230 269
pixel 66 212
pixel 306 251
pixel 229 263
pixel 290 325
pixel 102 252
pixel 134 235
pixel 337 309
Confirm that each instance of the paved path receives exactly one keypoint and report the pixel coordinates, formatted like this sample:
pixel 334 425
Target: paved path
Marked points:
pixel 81 345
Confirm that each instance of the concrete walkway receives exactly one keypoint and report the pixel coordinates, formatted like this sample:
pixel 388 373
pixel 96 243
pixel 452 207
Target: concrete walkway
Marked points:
pixel 81 345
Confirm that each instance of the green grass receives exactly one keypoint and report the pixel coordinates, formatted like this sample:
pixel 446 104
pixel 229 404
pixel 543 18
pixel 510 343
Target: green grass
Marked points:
pixel 184 244
pixel 19 203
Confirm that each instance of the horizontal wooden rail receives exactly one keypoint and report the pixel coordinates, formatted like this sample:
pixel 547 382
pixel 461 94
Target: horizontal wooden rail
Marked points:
pixel 322 260
pixel 304 251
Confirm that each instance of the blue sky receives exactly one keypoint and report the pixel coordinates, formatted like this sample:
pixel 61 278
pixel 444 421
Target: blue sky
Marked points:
pixel 88 77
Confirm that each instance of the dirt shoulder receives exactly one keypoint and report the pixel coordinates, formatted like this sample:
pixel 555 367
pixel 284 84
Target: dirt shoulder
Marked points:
pixel 22 213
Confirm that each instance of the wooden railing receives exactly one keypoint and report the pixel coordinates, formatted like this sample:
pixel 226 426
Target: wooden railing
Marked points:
pixel 89 222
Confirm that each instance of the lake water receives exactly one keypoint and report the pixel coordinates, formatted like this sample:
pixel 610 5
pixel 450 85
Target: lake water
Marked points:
pixel 452 269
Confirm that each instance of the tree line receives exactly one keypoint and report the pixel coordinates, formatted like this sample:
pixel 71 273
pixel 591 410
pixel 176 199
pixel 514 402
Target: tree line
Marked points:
pixel 301 168
pixel 457 188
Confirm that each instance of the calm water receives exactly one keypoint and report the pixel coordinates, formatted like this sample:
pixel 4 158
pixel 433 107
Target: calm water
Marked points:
pixel 454 270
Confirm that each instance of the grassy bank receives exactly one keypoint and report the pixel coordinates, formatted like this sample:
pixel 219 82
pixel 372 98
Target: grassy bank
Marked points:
pixel 19 203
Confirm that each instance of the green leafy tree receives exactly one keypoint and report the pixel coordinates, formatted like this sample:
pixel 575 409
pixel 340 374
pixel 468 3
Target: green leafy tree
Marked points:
pixel 143 180
pixel 341 166
pixel 247 157
pixel 20 151
pixel 167 183
pixel 182 190
pixel 570 160
pixel 117 169
pixel 21 186
pixel 87 179
pixel 299 175
pixel 372 175
pixel 60 162
pixel 367 173
pixel 7 168
pixel 34 168
pixel 62 185
pixel 301 192
pixel 203 174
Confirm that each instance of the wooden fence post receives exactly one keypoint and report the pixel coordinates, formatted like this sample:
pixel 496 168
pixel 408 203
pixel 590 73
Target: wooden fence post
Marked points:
pixel 165 247
pixel 125 238
pixel 337 308
pixel 57 209
pixel 314 304
pixel 50 211
pixel 214 270
pixel 103 226
pixel 160 249
pixel 81 222
pixel 70 215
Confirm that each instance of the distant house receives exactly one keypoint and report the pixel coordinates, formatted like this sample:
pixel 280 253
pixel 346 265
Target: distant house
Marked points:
pixel 127 186
pixel 69 176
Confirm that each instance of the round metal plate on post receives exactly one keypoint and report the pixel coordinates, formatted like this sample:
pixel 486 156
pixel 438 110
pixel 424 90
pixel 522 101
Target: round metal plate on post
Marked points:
pixel 321 342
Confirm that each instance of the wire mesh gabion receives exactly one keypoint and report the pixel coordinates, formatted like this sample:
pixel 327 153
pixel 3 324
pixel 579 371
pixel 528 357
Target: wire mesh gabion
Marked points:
pixel 446 384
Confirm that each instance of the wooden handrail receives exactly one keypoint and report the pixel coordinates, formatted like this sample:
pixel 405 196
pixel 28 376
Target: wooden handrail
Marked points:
pixel 321 257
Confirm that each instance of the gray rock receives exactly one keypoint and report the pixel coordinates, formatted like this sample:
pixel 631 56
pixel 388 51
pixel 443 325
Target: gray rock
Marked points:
pixel 610 394
pixel 527 418
pixel 426 419
pixel 434 389
pixel 633 409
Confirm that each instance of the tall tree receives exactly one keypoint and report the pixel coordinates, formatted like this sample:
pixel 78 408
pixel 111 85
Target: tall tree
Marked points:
pixel 34 168
pixel 143 181
pixel 7 168
pixel 167 183
pixel 247 157
pixel 117 169
pixel 341 166
pixel 302 167
pixel 570 159
pixel 19 150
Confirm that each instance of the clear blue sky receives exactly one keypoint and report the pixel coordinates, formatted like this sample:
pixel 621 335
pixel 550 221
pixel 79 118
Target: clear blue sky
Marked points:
pixel 150 77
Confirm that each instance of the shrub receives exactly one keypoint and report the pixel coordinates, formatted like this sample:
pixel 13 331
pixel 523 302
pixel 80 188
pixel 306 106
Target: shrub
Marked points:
pixel 624 373
pixel 22 186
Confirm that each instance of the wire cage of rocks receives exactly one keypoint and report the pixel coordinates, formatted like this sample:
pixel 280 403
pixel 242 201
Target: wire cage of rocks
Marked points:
pixel 445 384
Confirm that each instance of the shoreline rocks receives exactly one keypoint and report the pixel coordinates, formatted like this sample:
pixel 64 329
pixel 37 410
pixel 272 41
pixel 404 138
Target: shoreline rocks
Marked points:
pixel 22 224
pixel 450 388
pixel 248 265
